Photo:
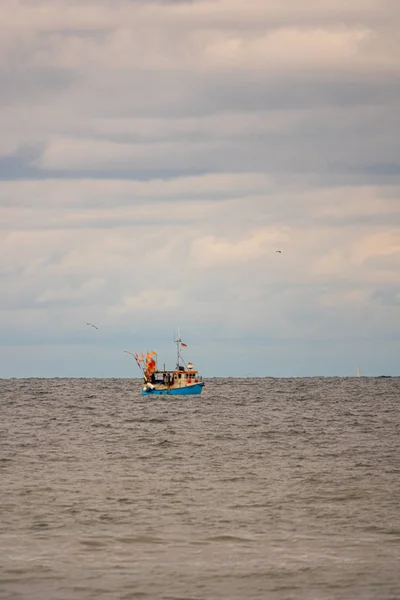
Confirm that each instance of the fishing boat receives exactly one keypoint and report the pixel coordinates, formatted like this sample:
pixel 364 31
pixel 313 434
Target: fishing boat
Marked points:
pixel 184 380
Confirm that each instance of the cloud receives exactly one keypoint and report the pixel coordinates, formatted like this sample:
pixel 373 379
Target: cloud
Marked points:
pixel 90 288
pixel 162 35
pixel 210 250
pixel 153 157
pixel 150 300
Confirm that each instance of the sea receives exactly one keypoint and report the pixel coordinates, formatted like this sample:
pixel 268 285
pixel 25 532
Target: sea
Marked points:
pixel 272 489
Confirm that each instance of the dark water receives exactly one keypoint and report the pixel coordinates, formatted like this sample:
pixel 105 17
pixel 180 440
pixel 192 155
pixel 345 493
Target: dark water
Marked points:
pixel 270 489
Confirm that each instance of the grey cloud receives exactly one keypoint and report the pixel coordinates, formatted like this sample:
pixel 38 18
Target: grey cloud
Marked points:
pixel 383 219
pixel 23 291
pixel 12 167
pixel 386 262
pixel 299 91
pixel 314 144
pixel 388 296
pixel 296 152
pixel 183 94
pixel 31 85
pixel 16 168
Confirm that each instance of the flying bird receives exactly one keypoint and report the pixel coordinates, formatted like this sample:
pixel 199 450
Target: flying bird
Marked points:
pixel 278 251
pixel 91 325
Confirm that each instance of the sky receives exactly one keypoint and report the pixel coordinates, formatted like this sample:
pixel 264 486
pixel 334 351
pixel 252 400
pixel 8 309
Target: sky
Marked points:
pixel 154 156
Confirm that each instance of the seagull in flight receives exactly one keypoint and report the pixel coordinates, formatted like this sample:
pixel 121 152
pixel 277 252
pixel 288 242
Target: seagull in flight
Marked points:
pixel 91 325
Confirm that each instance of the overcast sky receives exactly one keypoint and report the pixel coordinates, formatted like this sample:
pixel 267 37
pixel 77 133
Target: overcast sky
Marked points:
pixel 155 155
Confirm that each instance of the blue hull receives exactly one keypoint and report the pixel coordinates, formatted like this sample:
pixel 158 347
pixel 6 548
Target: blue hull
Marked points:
pixel 190 390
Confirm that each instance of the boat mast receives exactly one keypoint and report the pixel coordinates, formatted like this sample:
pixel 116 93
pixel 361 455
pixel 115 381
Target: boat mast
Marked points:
pixel 177 342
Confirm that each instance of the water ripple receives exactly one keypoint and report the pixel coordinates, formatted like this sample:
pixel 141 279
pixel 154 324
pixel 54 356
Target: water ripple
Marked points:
pixel 279 489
